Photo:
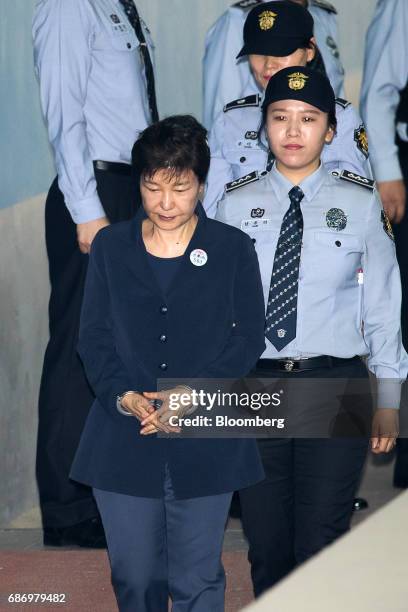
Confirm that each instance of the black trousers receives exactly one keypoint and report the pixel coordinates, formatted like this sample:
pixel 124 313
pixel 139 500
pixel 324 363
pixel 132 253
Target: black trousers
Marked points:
pixel 401 242
pixel 65 396
pixel 305 501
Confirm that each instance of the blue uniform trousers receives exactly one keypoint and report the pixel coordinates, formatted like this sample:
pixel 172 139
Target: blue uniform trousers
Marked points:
pixel 166 547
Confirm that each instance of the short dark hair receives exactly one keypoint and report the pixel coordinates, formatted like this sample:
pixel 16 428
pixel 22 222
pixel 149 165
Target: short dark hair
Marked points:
pixel 178 144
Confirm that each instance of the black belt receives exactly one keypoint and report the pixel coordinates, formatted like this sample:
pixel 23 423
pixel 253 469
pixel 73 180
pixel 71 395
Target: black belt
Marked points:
pixel 115 167
pixel 301 365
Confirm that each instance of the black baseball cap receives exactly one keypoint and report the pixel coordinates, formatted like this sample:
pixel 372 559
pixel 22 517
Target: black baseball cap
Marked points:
pixel 301 83
pixel 277 29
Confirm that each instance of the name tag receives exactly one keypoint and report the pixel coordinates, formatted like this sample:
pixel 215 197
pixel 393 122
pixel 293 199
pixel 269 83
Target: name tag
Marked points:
pixel 120 28
pixel 247 144
pixel 256 225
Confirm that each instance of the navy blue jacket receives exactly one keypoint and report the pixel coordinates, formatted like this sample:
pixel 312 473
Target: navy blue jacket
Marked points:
pixel 213 320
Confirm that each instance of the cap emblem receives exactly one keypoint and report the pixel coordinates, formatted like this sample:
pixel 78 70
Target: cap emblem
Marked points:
pixel 297 80
pixel 267 20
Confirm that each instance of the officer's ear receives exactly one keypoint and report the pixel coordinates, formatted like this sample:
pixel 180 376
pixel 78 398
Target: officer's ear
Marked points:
pixel 311 50
pixel 330 134
pixel 331 126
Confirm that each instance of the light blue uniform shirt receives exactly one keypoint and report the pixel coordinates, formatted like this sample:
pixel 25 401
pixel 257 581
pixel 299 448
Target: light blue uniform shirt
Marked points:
pixel 385 75
pixel 349 295
pixel 236 150
pixel 225 78
pixel 93 92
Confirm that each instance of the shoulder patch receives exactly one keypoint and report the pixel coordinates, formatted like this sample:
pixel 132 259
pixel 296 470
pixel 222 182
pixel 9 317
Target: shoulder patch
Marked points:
pixel 244 180
pixel 253 100
pixel 361 140
pixel 326 6
pixel 351 177
pixel 387 225
pixel 246 4
pixel 342 102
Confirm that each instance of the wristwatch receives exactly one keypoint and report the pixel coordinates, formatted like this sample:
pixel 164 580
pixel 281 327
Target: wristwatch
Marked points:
pixel 119 406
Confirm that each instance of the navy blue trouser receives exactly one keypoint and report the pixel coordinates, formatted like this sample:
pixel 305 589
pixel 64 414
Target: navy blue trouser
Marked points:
pixel 305 502
pixel 161 548
pixel 303 505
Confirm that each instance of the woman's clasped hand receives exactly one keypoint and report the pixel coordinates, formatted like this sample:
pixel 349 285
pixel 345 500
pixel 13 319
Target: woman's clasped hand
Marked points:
pixel 159 411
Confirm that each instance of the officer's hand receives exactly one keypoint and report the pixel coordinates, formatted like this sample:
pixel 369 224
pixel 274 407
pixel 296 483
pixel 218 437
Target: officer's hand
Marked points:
pixel 137 405
pixel 385 430
pixel 86 232
pixel 393 195
pixel 301 2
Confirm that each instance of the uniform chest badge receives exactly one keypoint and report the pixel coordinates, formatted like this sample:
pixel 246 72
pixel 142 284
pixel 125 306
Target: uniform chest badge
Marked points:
pixel 360 137
pixel 251 135
pixel 336 219
pixel 257 213
pixel 387 225
pixel 267 20
pixel 115 18
pixel 198 258
pixel 297 80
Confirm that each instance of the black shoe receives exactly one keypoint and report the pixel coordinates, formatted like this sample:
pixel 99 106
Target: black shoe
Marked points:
pixel 360 504
pixel 400 484
pixel 88 534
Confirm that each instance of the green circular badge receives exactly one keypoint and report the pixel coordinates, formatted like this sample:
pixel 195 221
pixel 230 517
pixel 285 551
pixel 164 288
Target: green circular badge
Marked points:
pixel 336 219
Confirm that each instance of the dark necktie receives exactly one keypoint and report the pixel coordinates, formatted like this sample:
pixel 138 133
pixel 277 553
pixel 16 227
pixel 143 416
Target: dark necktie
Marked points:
pixel 281 312
pixel 134 19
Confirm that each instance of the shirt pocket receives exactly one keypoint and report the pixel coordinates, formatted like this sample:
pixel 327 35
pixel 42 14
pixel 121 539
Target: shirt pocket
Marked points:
pixel 339 242
pixel 125 41
pixel 113 36
pixel 339 258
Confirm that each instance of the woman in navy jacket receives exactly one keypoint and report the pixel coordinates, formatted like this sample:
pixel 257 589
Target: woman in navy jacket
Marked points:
pixel 169 294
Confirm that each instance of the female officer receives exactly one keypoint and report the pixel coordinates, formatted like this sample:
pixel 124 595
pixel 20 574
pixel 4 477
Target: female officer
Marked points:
pixel 225 78
pixel 332 291
pixel 276 35
pixel 152 296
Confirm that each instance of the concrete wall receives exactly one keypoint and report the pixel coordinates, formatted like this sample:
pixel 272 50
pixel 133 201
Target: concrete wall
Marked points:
pixel 25 172
pixel 354 19
pixel 23 334
pixel 26 168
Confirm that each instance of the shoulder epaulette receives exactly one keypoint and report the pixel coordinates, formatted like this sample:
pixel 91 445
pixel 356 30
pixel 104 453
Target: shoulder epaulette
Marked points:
pixel 246 4
pixel 253 100
pixel 326 6
pixel 351 177
pixel 342 102
pixel 241 182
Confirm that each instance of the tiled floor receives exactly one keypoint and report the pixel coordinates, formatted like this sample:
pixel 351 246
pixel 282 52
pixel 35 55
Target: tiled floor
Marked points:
pixel 26 566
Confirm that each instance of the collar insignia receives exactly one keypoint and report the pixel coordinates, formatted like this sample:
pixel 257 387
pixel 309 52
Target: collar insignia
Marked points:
pixel 257 213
